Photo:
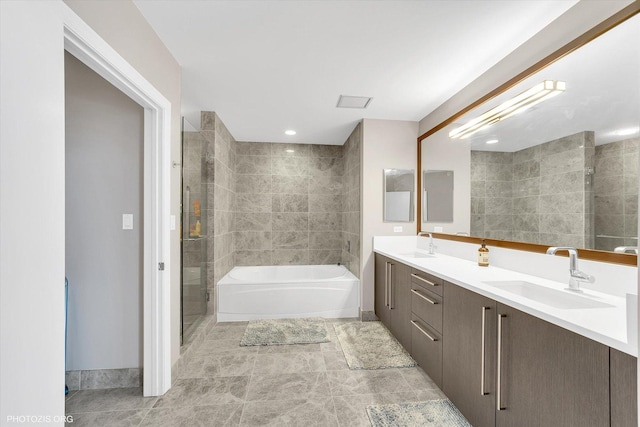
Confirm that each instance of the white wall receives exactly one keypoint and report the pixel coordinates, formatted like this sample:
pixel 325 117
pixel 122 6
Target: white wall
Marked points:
pixel 31 210
pixel 441 153
pixel 123 27
pixel 386 144
pixel 104 179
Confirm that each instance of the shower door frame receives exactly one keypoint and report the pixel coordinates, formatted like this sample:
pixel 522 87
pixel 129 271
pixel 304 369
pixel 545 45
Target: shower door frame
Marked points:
pixel 85 44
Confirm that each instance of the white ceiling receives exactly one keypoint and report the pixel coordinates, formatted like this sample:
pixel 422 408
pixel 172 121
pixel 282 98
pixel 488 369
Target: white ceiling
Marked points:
pixel 267 66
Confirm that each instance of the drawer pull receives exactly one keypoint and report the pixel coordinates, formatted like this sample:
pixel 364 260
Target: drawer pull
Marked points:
pixel 423 331
pixel 422 279
pixel 482 358
pixel 499 405
pixel 430 301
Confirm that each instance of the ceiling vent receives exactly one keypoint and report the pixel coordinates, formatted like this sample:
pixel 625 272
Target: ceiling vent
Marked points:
pixel 346 101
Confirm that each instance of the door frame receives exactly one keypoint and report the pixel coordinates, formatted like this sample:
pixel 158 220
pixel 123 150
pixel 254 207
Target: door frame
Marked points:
pixel 85 44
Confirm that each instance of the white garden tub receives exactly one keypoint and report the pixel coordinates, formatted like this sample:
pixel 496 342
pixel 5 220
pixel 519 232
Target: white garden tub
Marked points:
pixel 274 292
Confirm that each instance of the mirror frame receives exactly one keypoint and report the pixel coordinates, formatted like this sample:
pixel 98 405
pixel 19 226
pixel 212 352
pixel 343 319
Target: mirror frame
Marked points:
pixel 593 33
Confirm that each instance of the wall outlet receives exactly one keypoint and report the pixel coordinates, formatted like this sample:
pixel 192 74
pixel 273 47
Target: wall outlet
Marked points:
pixel 397 229
pixel 127 221
pixel 437 229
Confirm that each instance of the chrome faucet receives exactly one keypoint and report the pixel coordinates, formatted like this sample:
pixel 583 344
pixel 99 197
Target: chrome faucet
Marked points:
pixel 577 276
pixel 626 250
pixel 432 247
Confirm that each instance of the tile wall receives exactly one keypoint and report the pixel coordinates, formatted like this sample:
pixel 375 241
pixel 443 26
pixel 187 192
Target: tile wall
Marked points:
pixel 536 195
pixel 220 161
pixel 351 210
pixel 616 194
pixel 288 203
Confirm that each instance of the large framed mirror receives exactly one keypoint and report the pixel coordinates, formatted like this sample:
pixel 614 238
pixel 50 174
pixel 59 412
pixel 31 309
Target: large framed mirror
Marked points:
pixel 551 159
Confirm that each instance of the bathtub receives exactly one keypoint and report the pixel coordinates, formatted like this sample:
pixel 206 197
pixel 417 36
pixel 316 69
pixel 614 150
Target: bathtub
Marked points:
pixel 272 292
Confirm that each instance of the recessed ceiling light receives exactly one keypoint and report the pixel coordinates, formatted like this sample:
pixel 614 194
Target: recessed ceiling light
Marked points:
pixel 290 150
pixel 625 132
pixel 290 132
pixel 346 101
pixel 491 141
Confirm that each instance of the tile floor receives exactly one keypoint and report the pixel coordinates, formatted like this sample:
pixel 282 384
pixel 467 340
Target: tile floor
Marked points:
pixel 228 385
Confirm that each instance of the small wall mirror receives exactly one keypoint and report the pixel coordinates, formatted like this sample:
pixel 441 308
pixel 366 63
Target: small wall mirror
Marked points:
pixel 398 195
pixel 438 196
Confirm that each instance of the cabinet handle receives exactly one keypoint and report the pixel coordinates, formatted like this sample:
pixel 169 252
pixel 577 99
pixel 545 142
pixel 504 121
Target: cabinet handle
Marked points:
pixel 499 406
pixel 430 301
pixel 423 331
pixel 423 280
pixel 386 284
pixel 482 356
pixel 391 298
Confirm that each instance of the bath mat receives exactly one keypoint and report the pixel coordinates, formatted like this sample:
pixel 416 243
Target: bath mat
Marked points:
pixel 432 413
pixel 285 331
pixel 369 345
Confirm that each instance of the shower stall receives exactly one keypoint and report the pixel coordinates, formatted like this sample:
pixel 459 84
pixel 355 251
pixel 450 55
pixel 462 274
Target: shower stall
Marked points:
pixel 193 232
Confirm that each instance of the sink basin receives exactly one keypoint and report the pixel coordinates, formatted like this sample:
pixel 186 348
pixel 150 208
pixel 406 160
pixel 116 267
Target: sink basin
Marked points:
pixel 551 297
pixel 416 255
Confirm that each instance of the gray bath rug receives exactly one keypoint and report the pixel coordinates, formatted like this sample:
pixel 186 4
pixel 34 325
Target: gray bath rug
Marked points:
pixel 285 331
pixel 433 413
pixel 369 345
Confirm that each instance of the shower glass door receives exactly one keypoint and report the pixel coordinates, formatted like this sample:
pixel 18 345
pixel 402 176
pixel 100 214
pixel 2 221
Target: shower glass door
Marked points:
pixel 193 232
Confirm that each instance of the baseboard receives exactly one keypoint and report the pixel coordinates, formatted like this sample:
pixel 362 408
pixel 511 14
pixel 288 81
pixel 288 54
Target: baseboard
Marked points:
pixel 103 378
pixel 368 316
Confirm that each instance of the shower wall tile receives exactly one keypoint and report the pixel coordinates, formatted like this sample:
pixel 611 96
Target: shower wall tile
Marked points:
pixel 319 166
pixel 253 184
pixel 290 221
pixel 498 205
pixel 611 204
pixel 631 204
pixel 499 189
pixel 289 257
pixel 244 148
pixel 207 120
pixel 562 203
pixel 526 223
pixel 325 240
pixel 530 154
pixel 290 166
pixel 477 205
pixel 300 188
pixel 531 204
pixel 290 202
pixel 290 240
pixel 570 182
pixel 326 185
pixel 253 240
pixel 610 165
pixel 253 203
pixel 324 256
pixel 563 162
pixel 281 184
pixel 499 172
pixel 253 165
pixel 326 151
pixel 325 203
pixel 563 223
pixel 290 150
pixel 526 170
pixel 478 171
pixel 250 258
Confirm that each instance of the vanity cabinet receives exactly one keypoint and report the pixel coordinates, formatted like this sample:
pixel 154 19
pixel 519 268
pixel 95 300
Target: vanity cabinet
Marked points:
pixel 624 389
pixel 392 298
pixel 469 354
pixel 547 375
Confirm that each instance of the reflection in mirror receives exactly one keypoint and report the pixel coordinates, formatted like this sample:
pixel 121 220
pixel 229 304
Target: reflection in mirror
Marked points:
pixel 437 197
pixel 565 171
pixel 398 195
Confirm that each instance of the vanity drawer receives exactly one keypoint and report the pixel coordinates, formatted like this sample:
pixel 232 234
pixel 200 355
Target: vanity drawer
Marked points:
pixel 426 280
pixel 427 306
pixel 426 349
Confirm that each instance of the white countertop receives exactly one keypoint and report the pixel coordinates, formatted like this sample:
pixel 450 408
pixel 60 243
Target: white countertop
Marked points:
pixel 614 326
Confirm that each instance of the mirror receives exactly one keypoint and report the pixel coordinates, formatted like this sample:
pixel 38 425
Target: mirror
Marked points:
pixel 437 196
pixel 398 195
pixel 563 172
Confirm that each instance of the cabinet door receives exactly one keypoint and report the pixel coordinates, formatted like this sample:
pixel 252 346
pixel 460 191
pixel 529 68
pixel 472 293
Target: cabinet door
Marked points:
pixel 400 304
pixel 468 367
pixel 381 289
pixel 624 389
pixel 548 376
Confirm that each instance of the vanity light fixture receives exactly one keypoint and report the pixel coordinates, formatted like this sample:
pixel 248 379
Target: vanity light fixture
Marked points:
pixel 626 132
pixel 491 141
pixel 545 90
pixel 290 132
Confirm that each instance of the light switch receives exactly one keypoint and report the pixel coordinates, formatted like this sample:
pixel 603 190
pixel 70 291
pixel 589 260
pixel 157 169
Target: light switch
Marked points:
pixel 127 221
pixel 397 229
pixel 437 229
pixel 172 222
